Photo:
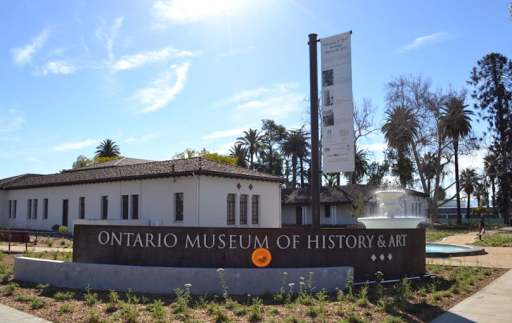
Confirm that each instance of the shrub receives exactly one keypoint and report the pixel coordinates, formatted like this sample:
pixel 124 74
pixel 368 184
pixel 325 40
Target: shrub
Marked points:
pixel 55 227
pixel 10 289
pixel 37 303
pixel 63 229
pixel 66 308
pixel 63 296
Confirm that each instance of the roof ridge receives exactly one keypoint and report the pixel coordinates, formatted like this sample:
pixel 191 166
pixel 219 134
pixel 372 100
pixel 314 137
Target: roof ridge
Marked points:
pixel 120 160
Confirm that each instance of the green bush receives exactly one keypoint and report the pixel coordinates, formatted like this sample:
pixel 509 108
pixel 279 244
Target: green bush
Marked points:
pixel 55 227
pixel 63 229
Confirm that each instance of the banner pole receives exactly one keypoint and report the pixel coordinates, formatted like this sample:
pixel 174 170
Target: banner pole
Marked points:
pixel 315 159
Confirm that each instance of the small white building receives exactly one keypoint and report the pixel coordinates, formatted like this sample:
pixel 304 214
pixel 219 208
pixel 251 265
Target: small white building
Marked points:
pixel 194 192
pixel 336 204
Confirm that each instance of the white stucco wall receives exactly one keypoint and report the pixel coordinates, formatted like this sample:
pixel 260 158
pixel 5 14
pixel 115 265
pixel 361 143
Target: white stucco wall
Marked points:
pixel 415 206
pixel 156 202
pixel 343 215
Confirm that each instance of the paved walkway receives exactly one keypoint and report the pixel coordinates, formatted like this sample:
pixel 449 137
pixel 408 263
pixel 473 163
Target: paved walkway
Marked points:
pixel 492 304
pixel 10 315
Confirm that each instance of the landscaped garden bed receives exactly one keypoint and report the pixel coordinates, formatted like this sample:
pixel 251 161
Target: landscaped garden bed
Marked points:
pixel 419 300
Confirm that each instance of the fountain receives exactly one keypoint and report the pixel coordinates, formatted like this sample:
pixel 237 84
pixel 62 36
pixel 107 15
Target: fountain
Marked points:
pixel 389 219
pixel 389 215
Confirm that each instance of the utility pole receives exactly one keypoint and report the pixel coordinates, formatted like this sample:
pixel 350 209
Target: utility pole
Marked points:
pixel 315 160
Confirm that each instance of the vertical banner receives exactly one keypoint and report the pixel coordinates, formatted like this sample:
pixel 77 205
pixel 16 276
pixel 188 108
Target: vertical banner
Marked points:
pixel 337 105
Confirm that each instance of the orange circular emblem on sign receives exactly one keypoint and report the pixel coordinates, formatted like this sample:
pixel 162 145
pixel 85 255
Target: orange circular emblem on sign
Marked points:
pixel 261 257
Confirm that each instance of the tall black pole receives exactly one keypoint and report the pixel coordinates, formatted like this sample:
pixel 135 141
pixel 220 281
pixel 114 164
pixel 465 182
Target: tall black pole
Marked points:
pixel 315 161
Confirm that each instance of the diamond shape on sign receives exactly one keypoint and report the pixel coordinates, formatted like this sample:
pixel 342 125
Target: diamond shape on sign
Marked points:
pixel 238 185
pixel 250 187
pixel 390 257
pixel 382 257
pixel 373 257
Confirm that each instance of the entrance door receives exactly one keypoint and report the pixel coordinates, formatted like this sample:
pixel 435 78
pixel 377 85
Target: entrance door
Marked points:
pixel 65 209
pixel 298 215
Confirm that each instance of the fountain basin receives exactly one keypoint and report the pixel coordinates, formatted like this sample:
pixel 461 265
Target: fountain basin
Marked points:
pixel 452 250
pixel 391 223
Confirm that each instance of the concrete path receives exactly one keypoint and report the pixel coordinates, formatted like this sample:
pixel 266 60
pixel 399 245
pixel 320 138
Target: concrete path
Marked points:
pixel 20 248
pixel 492 304
pixel 10 315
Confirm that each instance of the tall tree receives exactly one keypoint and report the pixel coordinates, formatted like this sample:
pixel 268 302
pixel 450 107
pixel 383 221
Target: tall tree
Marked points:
pixel 400 130
pixel 457 125
pixel 82 161
pixel 273 135
pixel 240 152
pixel 491 170
pixel 492 80
pixel 108 148
pixel 252 142
pixel 295 146
pixel 469 180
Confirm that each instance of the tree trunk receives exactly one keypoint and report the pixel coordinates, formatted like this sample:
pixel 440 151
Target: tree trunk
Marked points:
pixel 493 199
pixel 294 171
pixel 469 206
pixel 301 172
pixel 457 184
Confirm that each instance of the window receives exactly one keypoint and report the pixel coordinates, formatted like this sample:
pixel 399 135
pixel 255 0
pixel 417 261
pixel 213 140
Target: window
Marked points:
pixel 81 208
pixel 135 207
pixel 34 204
pixel 45 209
pixel 255 209
pixel 124 207
pixel 29 209
pixel 178 206
pixel 104 207
pixel 14 207
pixel 243 209
pixel 9 214
pixel 327 210
pixel 231 209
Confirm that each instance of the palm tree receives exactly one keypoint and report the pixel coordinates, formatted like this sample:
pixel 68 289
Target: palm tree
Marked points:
pixel 428 166
pixel 361 167
pixel 252 142
pixel 240 152
pixel 108 148
pixel 457 125
pixel 491 170
pixel 469 181
pixel 400 131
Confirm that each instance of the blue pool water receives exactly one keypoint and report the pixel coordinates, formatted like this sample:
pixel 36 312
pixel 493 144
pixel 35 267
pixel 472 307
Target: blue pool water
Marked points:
pixel 436 248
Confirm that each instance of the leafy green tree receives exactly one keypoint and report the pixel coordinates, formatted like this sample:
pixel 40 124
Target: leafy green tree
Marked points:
pixel 492 80
pixel 457 125
pixel 191 153
pixel 107 148
pixel 82 161
pixel 240 152
pixel 469 181
pixel 273 135
pixel 400 130
pixel 252 142
pixel 361 167
pixel 491 170
pixel 296 146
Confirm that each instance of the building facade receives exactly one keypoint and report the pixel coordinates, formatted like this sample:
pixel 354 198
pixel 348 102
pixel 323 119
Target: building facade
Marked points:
pixel 193 192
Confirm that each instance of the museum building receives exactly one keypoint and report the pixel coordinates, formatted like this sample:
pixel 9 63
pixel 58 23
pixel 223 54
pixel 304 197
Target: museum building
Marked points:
pixel 194 192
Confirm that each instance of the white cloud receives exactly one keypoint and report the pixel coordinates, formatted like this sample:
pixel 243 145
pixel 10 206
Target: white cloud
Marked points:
pixel 11 121
pixel 274 107
pixel 186 11
pixel 249 94
pixel 108 35
pixel 75 145
pixel 144 58
pixel 425 41
pixel 59 67
pixel 272 102
pixel 163 91
pixel 142 139
pixel 226 133
pixel 24 55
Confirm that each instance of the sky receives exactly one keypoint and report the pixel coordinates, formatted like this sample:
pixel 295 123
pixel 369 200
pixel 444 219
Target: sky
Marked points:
pixel 158 77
